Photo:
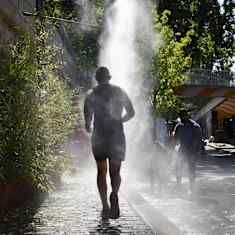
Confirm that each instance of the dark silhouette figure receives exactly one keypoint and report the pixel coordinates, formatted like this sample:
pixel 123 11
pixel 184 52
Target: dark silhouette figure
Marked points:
pixel 188 135
pixel 105 105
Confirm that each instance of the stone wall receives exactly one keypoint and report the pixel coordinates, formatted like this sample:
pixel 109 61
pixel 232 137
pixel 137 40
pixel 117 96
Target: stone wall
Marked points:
pixel 11 17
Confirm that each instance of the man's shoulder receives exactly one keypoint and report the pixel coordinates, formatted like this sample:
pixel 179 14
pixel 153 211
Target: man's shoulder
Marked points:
pixel 96 90
pixel 108 89
pixel 117 91
pixel 116 87
pixel 106 86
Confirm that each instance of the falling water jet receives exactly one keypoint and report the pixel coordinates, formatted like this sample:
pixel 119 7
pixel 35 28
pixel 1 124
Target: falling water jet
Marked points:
pixel 128 28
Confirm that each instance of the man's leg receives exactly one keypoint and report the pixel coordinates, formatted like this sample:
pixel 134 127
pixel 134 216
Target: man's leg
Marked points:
pixel 114 171
pixel 192 174
pixel 102 183
pixel 179 169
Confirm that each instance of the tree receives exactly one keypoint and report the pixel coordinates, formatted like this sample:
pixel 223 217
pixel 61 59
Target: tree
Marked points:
pixel 82 31
pixel 60 9
pixel 228 46
pixel 208 47
pixel 85 42
pixel 169 65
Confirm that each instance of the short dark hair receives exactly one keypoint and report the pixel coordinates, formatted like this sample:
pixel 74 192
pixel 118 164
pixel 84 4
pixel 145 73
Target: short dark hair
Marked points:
pixel 102 74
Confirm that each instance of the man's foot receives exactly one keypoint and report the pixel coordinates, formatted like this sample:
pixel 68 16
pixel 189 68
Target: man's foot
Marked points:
pixel 114 211
pixel 105 213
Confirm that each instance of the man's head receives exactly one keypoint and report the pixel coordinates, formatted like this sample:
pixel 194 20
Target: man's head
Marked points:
pixel 102 75
pixel 184 115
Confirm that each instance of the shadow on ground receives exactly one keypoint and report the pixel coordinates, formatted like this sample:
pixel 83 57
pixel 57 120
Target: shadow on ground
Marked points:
pixel 105 227
pixel 21 220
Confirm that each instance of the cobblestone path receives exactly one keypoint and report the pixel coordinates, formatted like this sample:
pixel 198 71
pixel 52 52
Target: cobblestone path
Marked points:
pixel 74 209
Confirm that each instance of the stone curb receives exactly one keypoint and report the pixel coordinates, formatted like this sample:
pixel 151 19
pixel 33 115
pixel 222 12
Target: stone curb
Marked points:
pixel 152 217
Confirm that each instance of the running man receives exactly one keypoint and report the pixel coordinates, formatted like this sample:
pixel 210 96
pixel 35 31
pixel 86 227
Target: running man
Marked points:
pixel 104 107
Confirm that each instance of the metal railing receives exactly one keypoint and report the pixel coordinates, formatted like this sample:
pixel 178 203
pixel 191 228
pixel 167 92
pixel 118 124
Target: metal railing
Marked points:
pixel 203 77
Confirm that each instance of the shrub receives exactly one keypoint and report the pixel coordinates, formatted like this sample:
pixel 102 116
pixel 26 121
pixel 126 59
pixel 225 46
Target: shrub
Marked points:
pixel 36 114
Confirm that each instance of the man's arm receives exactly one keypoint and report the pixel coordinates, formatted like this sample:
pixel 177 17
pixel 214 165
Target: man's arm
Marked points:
pixel 175 135
pixel 88 112
pixel 130 112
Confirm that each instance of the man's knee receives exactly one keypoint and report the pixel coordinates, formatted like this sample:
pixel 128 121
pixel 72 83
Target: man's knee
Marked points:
pixel 101 173
pixel 114 171
pixel 102 168
pixel 114 174
pixel 114 168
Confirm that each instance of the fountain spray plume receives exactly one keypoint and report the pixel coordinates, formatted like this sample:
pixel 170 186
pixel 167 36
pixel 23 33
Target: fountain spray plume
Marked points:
pixel 128 44
pixel 126 22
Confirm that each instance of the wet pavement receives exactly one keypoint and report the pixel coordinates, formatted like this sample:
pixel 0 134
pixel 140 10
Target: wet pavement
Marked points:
pixel 210 210
pixel 73 209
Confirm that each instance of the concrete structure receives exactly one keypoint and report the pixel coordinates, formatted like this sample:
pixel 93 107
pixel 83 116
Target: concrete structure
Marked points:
pixel 218 114
pixel 11 16
pixel 12 19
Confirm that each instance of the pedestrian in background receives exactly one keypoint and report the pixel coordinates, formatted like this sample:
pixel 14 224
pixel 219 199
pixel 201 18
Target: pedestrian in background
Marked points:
pixel 188 137
pixel 104 106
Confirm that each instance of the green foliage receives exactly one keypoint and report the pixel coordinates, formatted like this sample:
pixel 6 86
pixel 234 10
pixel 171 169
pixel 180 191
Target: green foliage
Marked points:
pixel 227 50
pixel 99 6
pixel 209 22
pixel 169 65
pixel 36 114
pixel 84 39
pixel 86 48
pixel 85 42
pixel 206 49
pixel 60 8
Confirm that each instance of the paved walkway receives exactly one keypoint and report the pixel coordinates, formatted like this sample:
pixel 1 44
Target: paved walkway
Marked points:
pixel 210 211
pixel 74 209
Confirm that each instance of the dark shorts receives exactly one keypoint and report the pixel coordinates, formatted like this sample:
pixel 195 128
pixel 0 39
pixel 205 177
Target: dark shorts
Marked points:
pixel 113 148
